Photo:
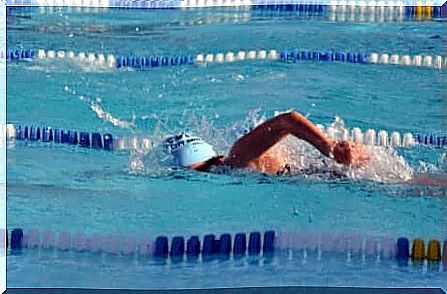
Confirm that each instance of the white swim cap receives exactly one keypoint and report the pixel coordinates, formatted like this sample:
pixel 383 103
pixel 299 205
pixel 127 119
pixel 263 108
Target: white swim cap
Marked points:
pixel 187 149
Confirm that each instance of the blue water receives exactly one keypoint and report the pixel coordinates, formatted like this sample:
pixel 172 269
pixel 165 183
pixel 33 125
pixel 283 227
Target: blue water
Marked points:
pixel 64 188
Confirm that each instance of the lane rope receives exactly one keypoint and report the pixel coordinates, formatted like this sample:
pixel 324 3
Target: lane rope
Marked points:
pixel 211 246
pixel 416 7
pixel 93 140
pixel 112 62
pixel 108 142
pixel 246 14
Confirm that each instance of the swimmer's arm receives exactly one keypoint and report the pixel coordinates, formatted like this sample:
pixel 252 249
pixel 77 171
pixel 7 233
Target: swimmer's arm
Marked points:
pixel 435 180
pixel 266 135
pixel 205 166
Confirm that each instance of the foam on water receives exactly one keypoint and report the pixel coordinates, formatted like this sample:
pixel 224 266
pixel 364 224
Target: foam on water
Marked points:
pixel 66 64
pixel 386 165
pixel 157 163
pixel 98 109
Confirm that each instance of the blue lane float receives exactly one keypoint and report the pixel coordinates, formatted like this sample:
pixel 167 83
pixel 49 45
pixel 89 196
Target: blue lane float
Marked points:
pixel 193 247
pixel 138 62
pixel 254 243
pixel 225 245
pixel 240 244
pixel 269 242
pixel 177 246
pixel 34 133
pixel 47 134
pixel 84 139
pixel 161 247
pixel 21 133
pixel 303 7
pixel 266 245
pixel 20 54
pixel 309 9
pixel 213 247
pixel 108 142
pixel 403 249
pixel 295 56
pixel 72 137
pixel 209 242
pixel 16 239
pixel 436 139
pixel 142 62
pixel 58 136
pixel 285 56
pixel 96 141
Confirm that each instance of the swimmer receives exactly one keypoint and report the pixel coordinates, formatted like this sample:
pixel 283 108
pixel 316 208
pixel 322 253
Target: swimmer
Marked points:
pixel 252 151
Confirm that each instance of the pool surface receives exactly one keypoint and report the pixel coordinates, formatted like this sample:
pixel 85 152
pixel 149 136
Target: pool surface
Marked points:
pixel 73 189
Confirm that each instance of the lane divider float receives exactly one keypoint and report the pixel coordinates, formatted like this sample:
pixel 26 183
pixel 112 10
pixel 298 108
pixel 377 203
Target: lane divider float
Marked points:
pixel 383 138
pixel 109 142
pixel 111 61
pixel 436 8
pixel 245 14
pixel 210 246
pixel 84 139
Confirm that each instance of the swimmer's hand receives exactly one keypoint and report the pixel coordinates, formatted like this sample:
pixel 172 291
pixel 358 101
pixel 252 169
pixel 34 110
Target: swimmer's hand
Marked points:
pixel 350 153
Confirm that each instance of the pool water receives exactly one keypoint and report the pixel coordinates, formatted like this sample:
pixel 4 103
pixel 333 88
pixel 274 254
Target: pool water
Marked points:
pixel 66 188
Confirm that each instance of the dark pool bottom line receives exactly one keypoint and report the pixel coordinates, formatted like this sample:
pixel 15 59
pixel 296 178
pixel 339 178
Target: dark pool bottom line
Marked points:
pixel 266 245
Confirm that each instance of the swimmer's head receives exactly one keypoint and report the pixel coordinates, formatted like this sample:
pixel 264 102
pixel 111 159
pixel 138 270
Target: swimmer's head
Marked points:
pixel 187 149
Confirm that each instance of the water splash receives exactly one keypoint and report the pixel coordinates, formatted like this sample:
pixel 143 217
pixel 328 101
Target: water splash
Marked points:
pixel 386 164
pixel 63 65
pixel 156 162
pixel 96 106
